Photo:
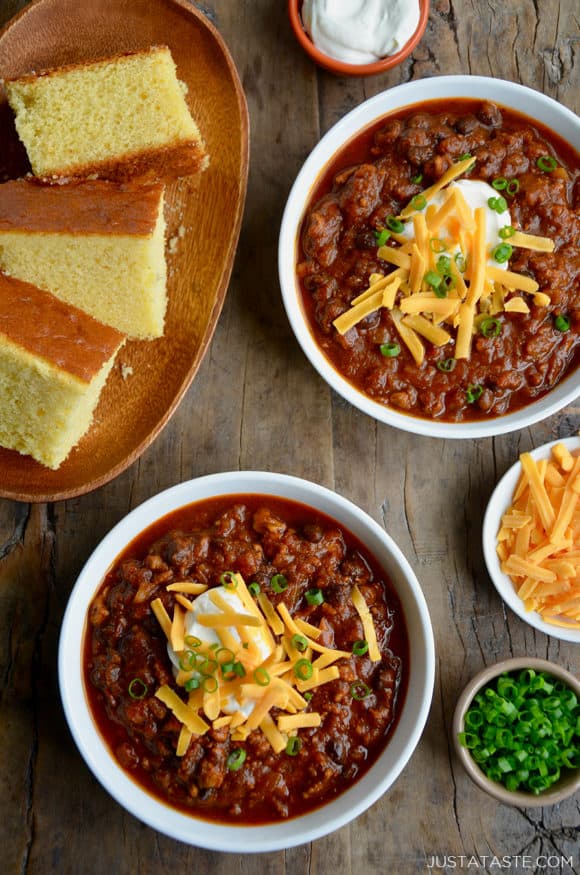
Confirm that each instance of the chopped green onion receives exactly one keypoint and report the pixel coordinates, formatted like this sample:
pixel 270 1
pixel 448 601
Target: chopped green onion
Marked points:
pixel 417 179
pixel 507 231
pixel 303 669
pixel 473 393
pixel 307 696
pixel 523 731
pixel 314 596
pixel 293 746
pixel 395 224
pixel 138 689
pixel 236 759
pixel 192 684
pixel 279 583
pixel 447 365
pixel 433 279
pixel 209 684
pixel 498 204
pixel 359 690
pixel 562 323
pixel 502 252
pixel 547 163
pixel 443 264
pixel 512 187
pixel 490 327
pixel 228 578
pixel 461 262
pixel 300 643
pixel 359 648
pixel 390 350
pixel 465 156
pixel 419 202
pixel 254 589
pixel 261 676
pixel 499 183
pixel 382 236
pixel 192 641
pixel 437 245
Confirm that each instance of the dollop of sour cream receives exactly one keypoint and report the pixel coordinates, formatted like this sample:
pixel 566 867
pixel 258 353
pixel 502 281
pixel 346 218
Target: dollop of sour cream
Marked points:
pixel 360 31
pixel 203 605
pixel 477 194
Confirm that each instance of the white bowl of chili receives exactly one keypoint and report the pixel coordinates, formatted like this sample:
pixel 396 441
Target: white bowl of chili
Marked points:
pixel 545 593
pixel 513 365
pixel 76 648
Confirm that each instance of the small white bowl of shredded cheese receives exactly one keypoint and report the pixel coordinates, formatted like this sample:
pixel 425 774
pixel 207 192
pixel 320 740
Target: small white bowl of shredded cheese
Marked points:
pixel 358 37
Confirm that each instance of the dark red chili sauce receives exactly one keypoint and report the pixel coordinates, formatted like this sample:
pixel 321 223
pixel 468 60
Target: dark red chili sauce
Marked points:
pixel 257 536
pixel 370 179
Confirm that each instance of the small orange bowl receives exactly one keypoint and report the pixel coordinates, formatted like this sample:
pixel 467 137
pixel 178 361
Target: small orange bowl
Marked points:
pixel 340 67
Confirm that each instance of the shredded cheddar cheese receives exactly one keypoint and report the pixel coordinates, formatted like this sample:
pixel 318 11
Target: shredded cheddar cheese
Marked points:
pixel 236 673
pixel 538 541
pixel 445 315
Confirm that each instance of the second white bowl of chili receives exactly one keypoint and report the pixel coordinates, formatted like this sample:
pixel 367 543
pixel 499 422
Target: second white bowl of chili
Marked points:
pixel 302 546
pixel 465 334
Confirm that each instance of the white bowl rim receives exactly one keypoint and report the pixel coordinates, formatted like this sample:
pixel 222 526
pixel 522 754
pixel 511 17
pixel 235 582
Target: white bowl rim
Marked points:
pixel 321 821
pixel 546 110
pixel 498 503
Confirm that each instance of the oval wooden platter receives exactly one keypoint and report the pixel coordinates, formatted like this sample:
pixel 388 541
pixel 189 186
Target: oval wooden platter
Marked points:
pixel 149 378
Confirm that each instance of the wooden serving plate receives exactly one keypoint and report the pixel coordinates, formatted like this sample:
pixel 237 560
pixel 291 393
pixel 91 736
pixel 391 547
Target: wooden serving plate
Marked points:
pixel 136 405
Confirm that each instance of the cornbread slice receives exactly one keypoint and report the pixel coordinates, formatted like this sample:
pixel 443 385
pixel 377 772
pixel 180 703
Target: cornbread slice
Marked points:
pixel 120 118
pixel 96 245
pixel 54 361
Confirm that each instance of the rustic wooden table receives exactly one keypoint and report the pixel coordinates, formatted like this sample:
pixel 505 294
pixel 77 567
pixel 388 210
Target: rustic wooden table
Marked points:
pixel 257 403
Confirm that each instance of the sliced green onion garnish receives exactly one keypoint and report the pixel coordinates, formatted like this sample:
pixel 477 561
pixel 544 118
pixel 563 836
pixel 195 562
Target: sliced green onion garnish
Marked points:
pixel 490 327
pixel 359 690
pixel 303 669
pixel 502 252
pixel 433 279
pixel 192 641
pixel 443 264
pixel 465 156
pixel 359 648
pixel 293 746
pixel 461 262
pixel 498 204
pixel 209 684
pixel 547 163
pixel 562 323
pixel 299 642
pixel 419 202
pixel 236 759
pixel 192 684
pixel 473 393
pixel 499 183
pixel 261 676
pixel 512 187
pixel 382 236
pixel 447 365
pixel 307 696
pixel 437 245
pixel 279 583
pixel 390 350
pixel 506 232
pixel 138 689
pixel 395 224
pixel 254 588
pixel 522 731
pixel 314 596
pixel 417 179
pixel 228 578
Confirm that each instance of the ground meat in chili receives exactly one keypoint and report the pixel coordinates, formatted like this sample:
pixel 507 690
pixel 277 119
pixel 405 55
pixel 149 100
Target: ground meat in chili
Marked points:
pixel 374 177
pixel 258 537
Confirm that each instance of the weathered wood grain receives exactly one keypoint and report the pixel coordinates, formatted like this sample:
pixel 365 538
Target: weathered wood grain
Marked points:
pixel 256 403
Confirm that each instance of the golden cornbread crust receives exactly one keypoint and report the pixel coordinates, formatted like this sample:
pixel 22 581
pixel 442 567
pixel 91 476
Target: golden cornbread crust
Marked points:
pixel 119 118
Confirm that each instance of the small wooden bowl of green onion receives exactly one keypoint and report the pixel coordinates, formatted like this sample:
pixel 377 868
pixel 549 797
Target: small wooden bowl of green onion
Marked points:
pixel 516 731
